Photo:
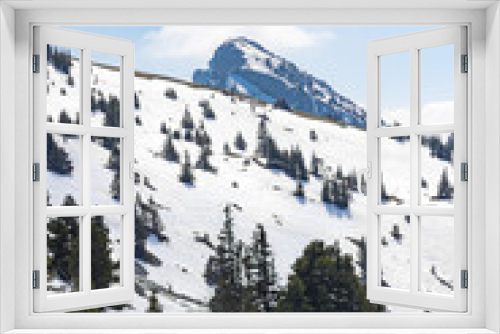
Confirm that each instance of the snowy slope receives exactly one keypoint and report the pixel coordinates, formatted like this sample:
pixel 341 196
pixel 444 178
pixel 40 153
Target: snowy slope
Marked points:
pixel 264 195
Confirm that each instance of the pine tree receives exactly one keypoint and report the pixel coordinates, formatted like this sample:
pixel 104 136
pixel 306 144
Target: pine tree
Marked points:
pixel 324 280
pixel 240 142
pixel 445 188
pixel 384 197
pixel 163 128
pixel 326 196
pixel 296 164
pixel 262 129
pixel 339 175
pixel 299 190
pixel 112 112
pixel 137 103
pixel 226 149
pixel 104 269
pixel 169 152
pixel 187 121
pixel 229 286
pixel 362 256
pixel 186 175
pixel 154 304
pixel 188 135
pixel 64 117
pixel 203 161
pixel 315 165
pixel 63 248
pixel 341 196
pixel 294 298
pixel 352 181
pixel 208 112
pixel 263 277
pixel 57 158
pixel 115 187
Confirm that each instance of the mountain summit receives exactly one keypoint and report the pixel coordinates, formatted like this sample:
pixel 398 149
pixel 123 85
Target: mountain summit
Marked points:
pixel 246 67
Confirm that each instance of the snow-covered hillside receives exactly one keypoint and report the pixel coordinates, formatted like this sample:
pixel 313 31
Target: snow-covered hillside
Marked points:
pixel 190 213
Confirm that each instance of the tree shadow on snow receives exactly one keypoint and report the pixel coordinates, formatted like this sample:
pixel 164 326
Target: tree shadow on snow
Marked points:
pixel 301 200
pixel 333 210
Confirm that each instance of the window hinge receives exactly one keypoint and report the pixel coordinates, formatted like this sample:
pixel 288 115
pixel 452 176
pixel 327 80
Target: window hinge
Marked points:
pixel 36 63
pixel 36 172
pixel 465 64
pixel 465 279
pixel 464 171
pixel 36 279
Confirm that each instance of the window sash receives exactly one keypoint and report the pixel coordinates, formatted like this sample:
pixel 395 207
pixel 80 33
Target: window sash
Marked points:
pixel 414 43
pixel 85 298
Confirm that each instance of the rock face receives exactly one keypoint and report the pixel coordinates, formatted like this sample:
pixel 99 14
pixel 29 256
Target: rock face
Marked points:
pixel 246 67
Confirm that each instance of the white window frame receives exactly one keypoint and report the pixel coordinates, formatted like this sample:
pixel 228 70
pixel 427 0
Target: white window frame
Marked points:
pixel 85 298
pixel 484 48
pixel 413 43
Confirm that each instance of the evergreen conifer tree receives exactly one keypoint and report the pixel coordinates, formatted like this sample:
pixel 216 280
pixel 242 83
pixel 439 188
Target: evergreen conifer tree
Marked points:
pixel 324 280
pixel 326 196
pixel 63 248
pixel 169 152
pixel 240 142
pixel 263 277
pixel 57 158
pixel 445 188
pixel 187 121
pixel 186 175
pixel 64 117
pixel 104 269
pixel 299 190
pixel 112 112
pixel 229 281
pixel 154 304
pixel 262 129
pixel 315 165
pixel 203 161
pixel 341 197
pixel 227 149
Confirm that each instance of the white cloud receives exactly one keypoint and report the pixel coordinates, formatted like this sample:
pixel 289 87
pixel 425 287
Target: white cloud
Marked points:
pixel 201 41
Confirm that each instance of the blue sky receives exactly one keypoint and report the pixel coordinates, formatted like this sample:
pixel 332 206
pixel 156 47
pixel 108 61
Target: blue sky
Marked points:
pixel 336 54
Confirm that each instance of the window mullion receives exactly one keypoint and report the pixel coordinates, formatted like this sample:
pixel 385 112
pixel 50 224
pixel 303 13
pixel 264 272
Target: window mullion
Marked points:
pixel 86 177
pixel 414 169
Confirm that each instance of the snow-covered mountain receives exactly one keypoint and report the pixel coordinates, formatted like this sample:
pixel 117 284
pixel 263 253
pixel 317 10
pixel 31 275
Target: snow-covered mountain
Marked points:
pixel 178 221
pixel 245 66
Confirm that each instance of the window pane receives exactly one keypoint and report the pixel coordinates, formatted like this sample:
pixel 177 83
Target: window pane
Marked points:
pixel 437 240
pixel 105 170
pixel 437 76
pixel 395 171
pixel 106 235
pixel 395 89
pixel 395 252
pixel 105 88
pixel 437 178
pixel 63 255
pixel 63 170
pixel 63 85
